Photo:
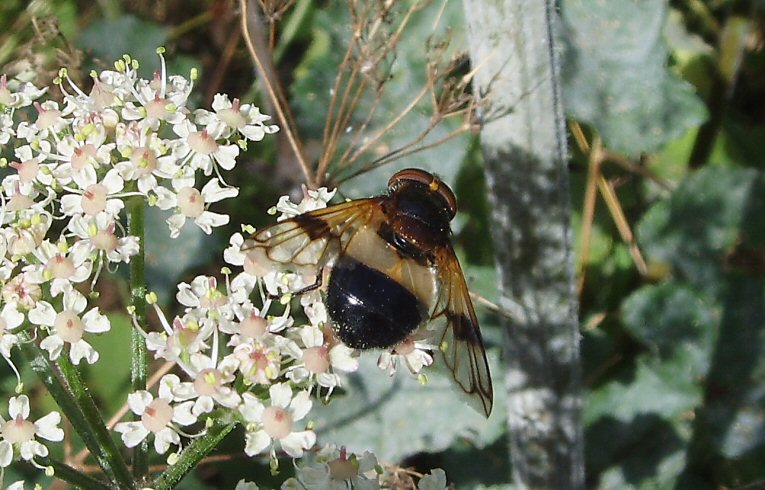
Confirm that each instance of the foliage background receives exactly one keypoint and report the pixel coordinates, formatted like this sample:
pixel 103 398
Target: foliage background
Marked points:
pixel 666 100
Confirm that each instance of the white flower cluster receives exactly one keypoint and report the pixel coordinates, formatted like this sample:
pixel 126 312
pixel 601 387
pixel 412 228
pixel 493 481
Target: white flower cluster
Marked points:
pixel 69 170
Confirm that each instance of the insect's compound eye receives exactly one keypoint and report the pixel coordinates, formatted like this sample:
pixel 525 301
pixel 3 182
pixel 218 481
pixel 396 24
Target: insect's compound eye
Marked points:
pixel 433 183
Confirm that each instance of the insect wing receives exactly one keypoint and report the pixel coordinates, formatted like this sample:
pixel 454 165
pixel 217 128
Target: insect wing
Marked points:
pixel 310 238
pixel 460 341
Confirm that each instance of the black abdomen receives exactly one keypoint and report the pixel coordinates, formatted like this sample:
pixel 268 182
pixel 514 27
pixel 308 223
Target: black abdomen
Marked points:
pixel 369 309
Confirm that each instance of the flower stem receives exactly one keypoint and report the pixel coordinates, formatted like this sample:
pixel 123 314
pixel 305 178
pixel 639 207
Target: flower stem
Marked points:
pixel 74 477
pixel 193 454
pixel 74 400
pixel 139 357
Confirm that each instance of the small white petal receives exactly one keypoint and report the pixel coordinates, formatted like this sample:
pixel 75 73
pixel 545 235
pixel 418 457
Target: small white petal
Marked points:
pixel 251 408
pixel 85 177
pixel 139 400
pixel 281 395
pixel 182 414
pixel 13 318
pixel 82 350
pixel 186 296
pixel 132 432
pixel 311 336
pixel 95 322
pixel 30 449
pixel 204 404
pixel 54 345
pixel 184 391
pixel 253 132
pixel 19 406
pixel 175 223
pixel 113 181
pixel 435 480
pixel 296 442
pixel 47 427
pixel 167 386
pixel 246 485
pixel 166 199
pixel 164 438
pixel 300 405
pixel 256 442
pixel 213 192
pixel 6 454
pixel 208 220
pixel 74 301
pixel 226 156
pixel 341 357
pixel 42 314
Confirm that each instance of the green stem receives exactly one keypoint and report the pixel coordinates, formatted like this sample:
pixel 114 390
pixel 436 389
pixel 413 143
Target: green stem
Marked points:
pixel 193 454
pixel 139 357
pixel 70 398
pixel 74 477
pixel 117 468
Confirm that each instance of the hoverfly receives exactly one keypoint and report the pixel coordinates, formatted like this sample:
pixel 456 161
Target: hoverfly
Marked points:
pixel 391 269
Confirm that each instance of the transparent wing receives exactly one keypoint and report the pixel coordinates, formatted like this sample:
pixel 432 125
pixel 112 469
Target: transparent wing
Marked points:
pixel 310 238
pixel 460 339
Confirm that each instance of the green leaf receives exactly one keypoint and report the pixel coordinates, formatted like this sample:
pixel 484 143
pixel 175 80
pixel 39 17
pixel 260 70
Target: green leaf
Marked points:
pixel 616 77
pixel 636 427
pixel 397 417
pixel 706 326
pixel 674 319
pixel 735 413
pixel 695 229
pixel 108 40
pixel 109 379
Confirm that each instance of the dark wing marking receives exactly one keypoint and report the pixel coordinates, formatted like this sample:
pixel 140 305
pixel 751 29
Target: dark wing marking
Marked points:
pixel 460 341
pixel 310 238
